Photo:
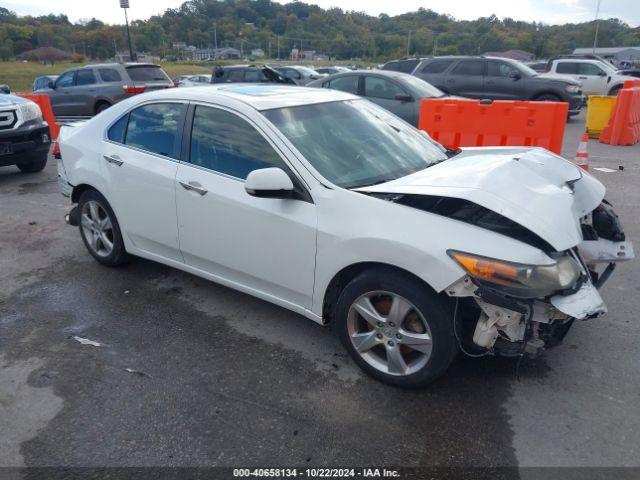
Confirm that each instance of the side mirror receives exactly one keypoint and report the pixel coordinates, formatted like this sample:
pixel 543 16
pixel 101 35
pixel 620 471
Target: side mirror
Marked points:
pixel 269 183
pixel 403 97
pixel 602 74
pixel 515 75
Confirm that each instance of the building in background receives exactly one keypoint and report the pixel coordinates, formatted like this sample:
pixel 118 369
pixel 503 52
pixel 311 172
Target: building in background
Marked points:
pixel 613 54
pixel 515 54
pixel 224 53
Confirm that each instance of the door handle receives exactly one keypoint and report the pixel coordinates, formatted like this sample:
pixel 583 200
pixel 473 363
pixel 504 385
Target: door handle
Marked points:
pixel 115 159
pixel 194 187
pixel 582 78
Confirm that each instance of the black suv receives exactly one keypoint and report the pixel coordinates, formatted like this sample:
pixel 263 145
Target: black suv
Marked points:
pixel 497 79
pixel 248 74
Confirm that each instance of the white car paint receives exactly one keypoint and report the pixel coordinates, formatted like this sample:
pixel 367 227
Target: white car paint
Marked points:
pixel 287 251
pixel 602 84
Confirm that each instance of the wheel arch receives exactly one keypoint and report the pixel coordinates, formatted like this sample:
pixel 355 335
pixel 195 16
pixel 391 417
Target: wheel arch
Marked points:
pixel 78 190
pixel 348 273
pixel 541 93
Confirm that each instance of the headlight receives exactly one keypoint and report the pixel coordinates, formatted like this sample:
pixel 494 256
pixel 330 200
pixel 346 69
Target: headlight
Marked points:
pixel 30 111
pixel 519 279
pixel 572 88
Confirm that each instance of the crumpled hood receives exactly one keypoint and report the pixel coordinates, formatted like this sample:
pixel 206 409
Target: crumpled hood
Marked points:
pixel 531 186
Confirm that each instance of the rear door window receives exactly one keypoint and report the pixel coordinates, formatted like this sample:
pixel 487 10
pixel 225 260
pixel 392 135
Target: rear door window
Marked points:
pixel 571 68
pixel 109 75
pixel 469 67
pixel 154 128
pixel 254 76
pixel 147 73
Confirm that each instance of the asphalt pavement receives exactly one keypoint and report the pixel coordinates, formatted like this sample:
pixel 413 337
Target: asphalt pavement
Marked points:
pixel 147 366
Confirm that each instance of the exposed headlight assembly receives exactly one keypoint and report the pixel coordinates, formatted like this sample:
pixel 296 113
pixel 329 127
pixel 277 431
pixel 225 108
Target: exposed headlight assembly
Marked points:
pixel 30 111
pixel 519 279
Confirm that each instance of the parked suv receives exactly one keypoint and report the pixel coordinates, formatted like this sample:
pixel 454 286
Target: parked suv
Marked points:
pixel 247 74
pixel 597 77
pixel 497 79
pixel 89 90
pixel 24 135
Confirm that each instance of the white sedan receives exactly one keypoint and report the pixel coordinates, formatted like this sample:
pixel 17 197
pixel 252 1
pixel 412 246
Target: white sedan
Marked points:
pixel 330 206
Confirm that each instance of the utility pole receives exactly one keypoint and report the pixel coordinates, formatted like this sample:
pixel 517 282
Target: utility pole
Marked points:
pixel 595 38
pixel 269 46
pixel 215 35
pixel 278 39
pixel 124 4
pixel 408 42
pixel 435 45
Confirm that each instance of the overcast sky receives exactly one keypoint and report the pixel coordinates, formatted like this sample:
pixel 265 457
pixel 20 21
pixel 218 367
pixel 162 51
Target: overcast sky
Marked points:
pixel 547 11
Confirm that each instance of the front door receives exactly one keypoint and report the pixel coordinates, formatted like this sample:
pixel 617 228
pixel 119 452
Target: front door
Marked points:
pixel 61 96
pixel 503 81
pixel 266 245
pixel 140 162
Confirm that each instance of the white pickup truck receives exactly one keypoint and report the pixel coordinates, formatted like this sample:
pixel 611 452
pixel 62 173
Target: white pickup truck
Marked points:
pixel 597 77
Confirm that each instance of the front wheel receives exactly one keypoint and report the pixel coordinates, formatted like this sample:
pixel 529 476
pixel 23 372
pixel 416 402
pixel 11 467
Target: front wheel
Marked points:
pixel 99 229
pixel 396 328
pixel 548 97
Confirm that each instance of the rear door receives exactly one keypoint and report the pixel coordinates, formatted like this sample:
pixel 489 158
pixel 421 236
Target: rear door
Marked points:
pixel 385 92
pixel 140 162
pixel 433 71
pixel 466 79
pixel 500 82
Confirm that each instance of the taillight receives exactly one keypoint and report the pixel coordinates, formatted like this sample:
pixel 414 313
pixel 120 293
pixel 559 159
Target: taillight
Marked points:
pixel 55 150
pixel 133 89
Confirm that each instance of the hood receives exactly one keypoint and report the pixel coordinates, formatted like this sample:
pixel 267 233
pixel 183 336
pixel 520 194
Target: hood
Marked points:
pixel 533 187
pixel 7 100
pixel 559 78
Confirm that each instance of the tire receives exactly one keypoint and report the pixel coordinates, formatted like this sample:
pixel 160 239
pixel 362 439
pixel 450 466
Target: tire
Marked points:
pixel 100 230
pixel 548 97
pixel 102 106
pixel 425 315
pixel 34 166
pixel 614 91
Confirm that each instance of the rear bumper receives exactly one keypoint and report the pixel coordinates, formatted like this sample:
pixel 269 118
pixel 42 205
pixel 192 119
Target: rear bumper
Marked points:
pixel 26 143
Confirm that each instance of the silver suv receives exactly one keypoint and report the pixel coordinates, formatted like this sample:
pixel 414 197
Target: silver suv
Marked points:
pixel 88 90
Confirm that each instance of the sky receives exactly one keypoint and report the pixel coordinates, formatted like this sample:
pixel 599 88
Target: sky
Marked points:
pixel 547 11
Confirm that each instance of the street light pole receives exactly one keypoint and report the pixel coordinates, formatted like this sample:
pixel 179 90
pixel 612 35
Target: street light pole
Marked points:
pixel 595 38
pixel 124 4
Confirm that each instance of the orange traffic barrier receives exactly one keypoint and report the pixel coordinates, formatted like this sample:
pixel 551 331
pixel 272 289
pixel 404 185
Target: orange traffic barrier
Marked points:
pixel 624 124
pixel 44 103
pixel 631 83
pixel 466 123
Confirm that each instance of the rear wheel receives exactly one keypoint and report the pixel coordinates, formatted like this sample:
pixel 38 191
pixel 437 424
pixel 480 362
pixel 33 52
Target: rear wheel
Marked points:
pixel 102 106
pixel 35 165
pixel 396 328
pixel 100 230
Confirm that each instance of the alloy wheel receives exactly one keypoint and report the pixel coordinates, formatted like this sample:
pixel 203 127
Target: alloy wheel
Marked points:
pixel 97 228
pixel 389 333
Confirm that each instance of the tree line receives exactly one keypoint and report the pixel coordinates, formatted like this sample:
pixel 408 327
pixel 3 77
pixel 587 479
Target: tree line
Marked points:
pixel 277 28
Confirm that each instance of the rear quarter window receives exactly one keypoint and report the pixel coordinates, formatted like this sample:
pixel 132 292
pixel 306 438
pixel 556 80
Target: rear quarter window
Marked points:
pixel 438 66
pixel 109 75
pixel 147 73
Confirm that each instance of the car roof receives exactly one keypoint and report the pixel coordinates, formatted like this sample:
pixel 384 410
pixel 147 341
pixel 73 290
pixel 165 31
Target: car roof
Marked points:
pixel 257 96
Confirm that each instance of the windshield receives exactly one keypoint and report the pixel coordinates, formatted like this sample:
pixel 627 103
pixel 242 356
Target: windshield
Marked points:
pixel 424 89
pixel 356 143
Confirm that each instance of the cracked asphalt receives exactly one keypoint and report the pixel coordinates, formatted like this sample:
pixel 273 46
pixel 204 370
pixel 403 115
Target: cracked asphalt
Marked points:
pixel 189 373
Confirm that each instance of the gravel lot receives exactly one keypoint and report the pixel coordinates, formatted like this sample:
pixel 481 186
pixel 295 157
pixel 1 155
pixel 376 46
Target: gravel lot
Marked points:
pixel 192 373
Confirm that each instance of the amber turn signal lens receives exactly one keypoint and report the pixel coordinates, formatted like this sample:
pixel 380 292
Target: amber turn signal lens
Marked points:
pixel 485 269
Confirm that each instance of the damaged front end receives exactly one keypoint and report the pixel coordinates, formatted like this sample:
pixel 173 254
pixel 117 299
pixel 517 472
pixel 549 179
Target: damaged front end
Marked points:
pixel 511 309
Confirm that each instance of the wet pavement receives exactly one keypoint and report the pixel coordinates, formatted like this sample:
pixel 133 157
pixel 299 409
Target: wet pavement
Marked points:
pixel 191 373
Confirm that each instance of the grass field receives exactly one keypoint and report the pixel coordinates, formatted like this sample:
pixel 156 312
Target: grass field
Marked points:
pixel 19 75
